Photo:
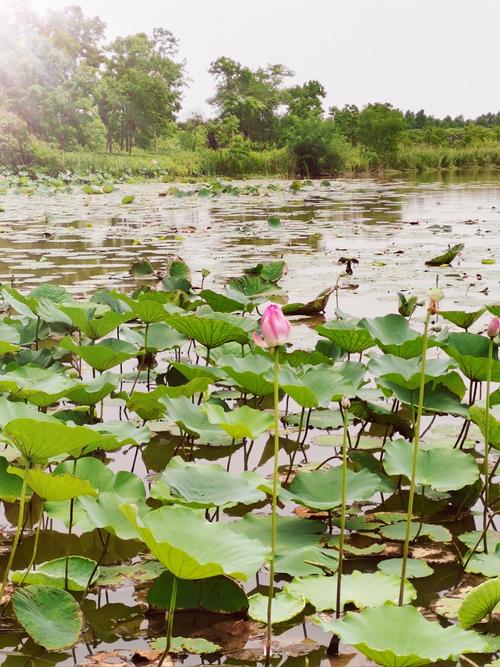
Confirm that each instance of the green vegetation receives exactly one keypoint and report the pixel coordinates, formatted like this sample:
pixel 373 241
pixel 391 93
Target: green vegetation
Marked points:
pixel 72 102
pixel 194 383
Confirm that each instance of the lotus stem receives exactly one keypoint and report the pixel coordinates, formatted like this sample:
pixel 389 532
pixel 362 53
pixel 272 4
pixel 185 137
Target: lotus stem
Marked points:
pixel 269 631
pixel 35 546
pixel 416 440
pixel 170 620
pixel 68 546
pixel 342 513
pixel 486 471
pixel 148 371
pixel 20 521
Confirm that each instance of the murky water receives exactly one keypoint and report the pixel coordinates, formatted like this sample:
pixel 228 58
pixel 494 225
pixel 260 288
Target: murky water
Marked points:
pixel 392 227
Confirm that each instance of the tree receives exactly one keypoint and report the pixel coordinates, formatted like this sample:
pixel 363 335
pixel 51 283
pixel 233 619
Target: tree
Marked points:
pixel 305 99
pixel 380 127
pixel 251 96
pixel 141 87
pixel 346 121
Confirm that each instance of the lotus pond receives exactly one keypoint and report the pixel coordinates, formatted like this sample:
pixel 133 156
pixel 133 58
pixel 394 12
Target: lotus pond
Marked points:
pixel 173 492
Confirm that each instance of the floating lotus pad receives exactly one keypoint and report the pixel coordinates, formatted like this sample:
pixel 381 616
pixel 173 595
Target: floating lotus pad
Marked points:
pixel 401 637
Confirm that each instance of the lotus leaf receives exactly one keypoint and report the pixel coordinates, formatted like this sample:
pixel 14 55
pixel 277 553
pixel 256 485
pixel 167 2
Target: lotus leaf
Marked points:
pixel 217 550
pixel 401 637
pixel 49 615
pixel 442 469
pixel 203 486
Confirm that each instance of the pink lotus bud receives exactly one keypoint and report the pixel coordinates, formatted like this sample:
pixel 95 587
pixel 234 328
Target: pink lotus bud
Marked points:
pixel 275 328
pixel 493 327
pixel 345 402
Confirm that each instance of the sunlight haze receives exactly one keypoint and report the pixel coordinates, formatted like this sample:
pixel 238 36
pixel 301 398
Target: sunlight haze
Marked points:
pixel 442 56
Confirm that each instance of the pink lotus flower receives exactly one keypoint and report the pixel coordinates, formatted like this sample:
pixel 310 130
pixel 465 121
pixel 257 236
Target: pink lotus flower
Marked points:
pixel 275 328
pixel 493 327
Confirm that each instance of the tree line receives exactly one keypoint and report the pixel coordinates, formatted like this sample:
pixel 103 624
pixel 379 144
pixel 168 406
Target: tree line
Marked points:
pixel 61 83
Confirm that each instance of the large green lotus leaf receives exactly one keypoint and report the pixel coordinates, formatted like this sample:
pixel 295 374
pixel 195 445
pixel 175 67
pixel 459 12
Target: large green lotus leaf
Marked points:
pixel 93 391
pixel 487 564
pixel 252 373
pixel 10 484
pixel 193 420
pixel 394 335
pixel 406 372
pixel 202 486
pixel 397 531
pixel 321 489
pixel 480 602
pixel 40 440
pixel 271 271
pixel 471 352
pixel 23 305
pixel 442 469
pixel 285 607
pixel 53 573
pixel 306 560
pixel 437 397
pixel 291 532
pixel 478 416
pixel 209 331
pixel 254 287
pixel 239 423
pixel 95 327
pixel 52 487
pixel 229 302
pixel 312 389
pixel 461 318
pixel 150 311
pixel 120 433
pixel 88 469
pixel 150 405
pixel 104 355
pixel 213 594
pixel 39 386
pixel 10 410
pixel 50 616
pixel 104 511
pixel 347 335
pixel 217 549
pixel 160 337
pixel 363 589
pixel 193 371
pixel 473 541
pixel 401 637
pixel 415 568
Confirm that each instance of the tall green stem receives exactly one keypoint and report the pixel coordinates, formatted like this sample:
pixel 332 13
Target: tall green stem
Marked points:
pixel 342 514
pixel 35 546
pixel 269 631
pixel 486 471
pixel 20 520
pixel 170 621
pixel 416 440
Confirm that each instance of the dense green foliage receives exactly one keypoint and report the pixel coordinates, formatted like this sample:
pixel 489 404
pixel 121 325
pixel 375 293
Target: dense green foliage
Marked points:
pixel 68 99
pixel 179 366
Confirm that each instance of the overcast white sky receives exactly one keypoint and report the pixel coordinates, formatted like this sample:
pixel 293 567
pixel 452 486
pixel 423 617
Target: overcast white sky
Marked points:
pixel 442 55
